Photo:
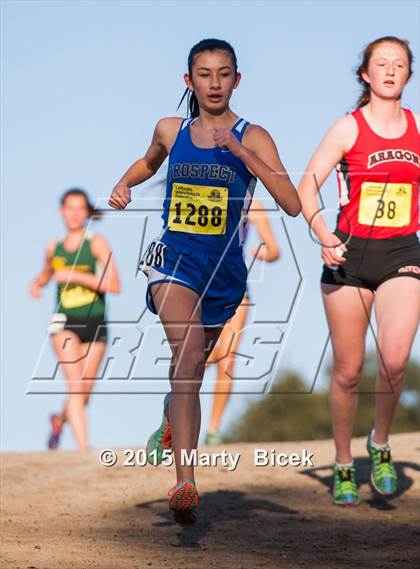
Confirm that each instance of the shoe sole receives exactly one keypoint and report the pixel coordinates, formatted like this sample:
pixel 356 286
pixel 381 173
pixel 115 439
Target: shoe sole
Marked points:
pixel 184 499
pixel 183 504
pixel 346 504
pixel 158 460
pixel 163 446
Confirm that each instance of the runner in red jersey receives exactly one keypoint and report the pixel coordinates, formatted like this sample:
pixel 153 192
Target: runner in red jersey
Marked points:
pixel 378 182
pixel 372 259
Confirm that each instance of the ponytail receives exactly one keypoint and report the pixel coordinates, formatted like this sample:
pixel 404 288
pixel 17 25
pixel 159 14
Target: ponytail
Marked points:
pixel 192 103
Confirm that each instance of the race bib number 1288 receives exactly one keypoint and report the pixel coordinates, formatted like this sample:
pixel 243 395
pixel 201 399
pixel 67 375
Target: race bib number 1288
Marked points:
pixel 198 209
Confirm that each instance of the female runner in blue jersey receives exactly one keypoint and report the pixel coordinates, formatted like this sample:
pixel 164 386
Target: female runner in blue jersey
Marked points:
pixel 196 271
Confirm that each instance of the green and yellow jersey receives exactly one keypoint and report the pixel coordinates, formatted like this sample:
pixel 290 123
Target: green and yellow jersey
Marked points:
pixel 73 299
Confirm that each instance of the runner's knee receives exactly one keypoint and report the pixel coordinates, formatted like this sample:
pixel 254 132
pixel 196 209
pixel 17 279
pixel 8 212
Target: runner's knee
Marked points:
pixel 188 365
pixel 347 375
pixel 392 366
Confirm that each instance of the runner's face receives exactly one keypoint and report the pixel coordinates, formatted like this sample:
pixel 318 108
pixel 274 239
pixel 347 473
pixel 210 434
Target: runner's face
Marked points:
pixel 388 70
pixel 74 212
pixel 213 80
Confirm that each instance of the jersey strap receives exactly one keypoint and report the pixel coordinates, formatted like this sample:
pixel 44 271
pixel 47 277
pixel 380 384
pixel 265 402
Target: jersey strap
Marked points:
pixel 239 128
pixel 181 132
pixel 412 125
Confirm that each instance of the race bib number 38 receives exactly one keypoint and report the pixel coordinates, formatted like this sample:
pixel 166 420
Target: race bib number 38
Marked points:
pixel 385 205
pixel 198 209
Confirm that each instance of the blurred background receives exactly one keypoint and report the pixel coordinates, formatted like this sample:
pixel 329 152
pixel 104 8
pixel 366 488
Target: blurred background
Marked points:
pixel 83 84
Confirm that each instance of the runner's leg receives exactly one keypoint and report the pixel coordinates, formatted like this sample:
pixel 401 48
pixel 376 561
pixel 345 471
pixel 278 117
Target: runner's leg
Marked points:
pixel 348 309
pixel 181 317
pixel 67 347
pixel 226 355
pixel 397 310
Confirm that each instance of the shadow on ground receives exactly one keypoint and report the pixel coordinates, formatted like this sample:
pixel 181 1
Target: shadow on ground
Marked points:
pixel 275 526
pixel 218 507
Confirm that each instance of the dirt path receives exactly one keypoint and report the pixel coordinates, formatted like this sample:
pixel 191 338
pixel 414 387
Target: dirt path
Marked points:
pixel 64 510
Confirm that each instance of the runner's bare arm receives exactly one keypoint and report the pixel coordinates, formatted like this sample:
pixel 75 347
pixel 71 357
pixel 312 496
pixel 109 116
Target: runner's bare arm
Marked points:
pixel 259 154
pixel 107 281
pixel 144 168
pixel 338 140
pixel 261 157
pixel 45 275
pixel 259 218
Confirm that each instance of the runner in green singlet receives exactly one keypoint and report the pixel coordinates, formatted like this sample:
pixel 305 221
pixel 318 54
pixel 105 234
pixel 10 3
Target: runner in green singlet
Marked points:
pixel 83 267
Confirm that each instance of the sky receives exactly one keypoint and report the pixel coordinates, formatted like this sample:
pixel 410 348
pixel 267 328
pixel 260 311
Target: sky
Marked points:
pixel 83 84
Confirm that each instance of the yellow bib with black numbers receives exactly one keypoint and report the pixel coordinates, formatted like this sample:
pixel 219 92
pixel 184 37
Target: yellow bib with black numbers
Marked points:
pixel 384 204
pixel 198 209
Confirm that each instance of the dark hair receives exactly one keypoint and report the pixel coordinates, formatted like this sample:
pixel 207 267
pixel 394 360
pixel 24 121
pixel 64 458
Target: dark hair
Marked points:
pixel 364 97
pixel 204 45
pixel 92 212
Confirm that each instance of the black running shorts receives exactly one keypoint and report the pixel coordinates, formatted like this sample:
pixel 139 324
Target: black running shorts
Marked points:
pixel 371 262
pixel 88 330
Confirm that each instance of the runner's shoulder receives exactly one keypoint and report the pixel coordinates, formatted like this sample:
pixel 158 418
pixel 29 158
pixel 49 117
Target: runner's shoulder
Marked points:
pixel 255 135
pixel 99 241
pixel 168 125
pixel 51 248
pixel 344 132
pixel 345 125
pixel 167 129
pixel 255 131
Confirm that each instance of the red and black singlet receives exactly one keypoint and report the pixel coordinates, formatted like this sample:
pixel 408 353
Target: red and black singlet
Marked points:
pixel 378 181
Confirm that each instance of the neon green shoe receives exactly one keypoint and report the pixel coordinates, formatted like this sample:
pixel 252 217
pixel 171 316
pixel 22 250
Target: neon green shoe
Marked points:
pixel 345 491
pixel 161 439
pixel 383 475
pixel 214 438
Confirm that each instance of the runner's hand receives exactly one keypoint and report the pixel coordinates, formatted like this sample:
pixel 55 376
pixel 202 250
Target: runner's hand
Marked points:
pixel 260 253
pixel 332 251
pixel 35 290
pixel 120 197
pixel 224 138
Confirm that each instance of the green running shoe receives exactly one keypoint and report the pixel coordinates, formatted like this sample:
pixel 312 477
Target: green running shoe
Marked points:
pixel 214 438
pixel 383 475
pixel 345 491
pixel 161 439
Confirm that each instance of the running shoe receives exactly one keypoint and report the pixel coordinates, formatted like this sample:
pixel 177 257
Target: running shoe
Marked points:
pixel 345 491
pixel 183 501
pixel 56 430
pixel 214 438
pixel 383 475
pixel 161 439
